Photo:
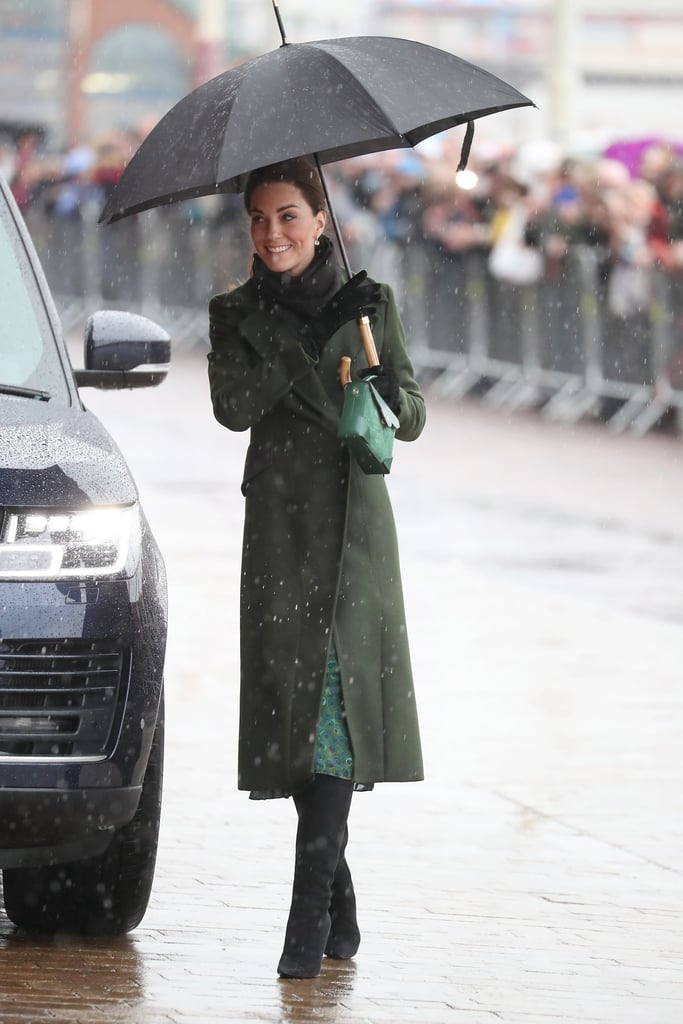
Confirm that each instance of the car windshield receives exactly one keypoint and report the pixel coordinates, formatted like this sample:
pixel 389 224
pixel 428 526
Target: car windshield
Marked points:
pixel 29 359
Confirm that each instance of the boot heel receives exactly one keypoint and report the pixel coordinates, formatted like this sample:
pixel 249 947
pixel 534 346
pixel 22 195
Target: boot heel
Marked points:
pixel 343 944
pixel 302 956
pixel 344 938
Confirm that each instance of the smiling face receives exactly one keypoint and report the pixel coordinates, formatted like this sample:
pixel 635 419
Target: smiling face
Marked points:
pixel 284 227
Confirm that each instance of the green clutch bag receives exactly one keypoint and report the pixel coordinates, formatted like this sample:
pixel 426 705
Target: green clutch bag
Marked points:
pixel 367 424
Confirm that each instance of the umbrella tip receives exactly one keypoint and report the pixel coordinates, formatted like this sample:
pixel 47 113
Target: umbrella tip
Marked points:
pixel 280 24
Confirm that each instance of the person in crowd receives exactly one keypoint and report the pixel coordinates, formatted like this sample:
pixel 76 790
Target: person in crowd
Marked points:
pixel 666 227
pixel 327 702
pixel 511 258
pixel 452 229
pixel 111 157
pixel 630 255
pixel 24 169
pixel 666 242
pixel 575 213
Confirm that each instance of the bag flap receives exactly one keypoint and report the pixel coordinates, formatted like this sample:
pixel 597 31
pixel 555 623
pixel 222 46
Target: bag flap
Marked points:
pixel 388 417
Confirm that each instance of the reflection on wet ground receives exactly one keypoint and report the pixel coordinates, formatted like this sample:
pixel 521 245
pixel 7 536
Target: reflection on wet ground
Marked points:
pixel 45 978
pixel 320 998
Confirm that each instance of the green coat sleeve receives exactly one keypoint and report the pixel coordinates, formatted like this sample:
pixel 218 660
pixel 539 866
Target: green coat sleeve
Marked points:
pixel 255 359
pixel 394 353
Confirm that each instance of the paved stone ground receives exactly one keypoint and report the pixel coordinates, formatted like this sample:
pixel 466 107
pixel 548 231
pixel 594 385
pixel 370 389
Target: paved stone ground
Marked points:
pixel 536 875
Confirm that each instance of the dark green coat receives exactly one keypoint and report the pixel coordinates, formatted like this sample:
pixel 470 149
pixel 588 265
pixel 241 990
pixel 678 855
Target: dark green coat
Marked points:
pixel 320 552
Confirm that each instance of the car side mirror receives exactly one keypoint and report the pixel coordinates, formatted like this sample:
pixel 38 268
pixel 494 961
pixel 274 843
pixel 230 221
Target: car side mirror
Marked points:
pixel 123 350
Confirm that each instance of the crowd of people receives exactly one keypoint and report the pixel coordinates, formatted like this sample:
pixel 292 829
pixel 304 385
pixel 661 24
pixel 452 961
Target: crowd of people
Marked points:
pixel 526 208
pixel 530 195
pixel 407 216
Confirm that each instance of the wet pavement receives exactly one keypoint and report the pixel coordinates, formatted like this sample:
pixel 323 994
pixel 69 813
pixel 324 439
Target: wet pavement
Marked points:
pixel 536 876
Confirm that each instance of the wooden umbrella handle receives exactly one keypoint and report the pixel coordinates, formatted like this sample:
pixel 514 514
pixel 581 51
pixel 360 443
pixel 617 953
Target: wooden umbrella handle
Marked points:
pixel 368 341
pixel 345 370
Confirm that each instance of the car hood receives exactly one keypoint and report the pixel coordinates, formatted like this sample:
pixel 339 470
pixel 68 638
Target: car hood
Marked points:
pixel 58 457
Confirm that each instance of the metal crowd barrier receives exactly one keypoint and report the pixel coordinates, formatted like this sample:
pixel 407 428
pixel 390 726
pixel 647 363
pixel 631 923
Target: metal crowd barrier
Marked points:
pixel 554 345
pixel 160 264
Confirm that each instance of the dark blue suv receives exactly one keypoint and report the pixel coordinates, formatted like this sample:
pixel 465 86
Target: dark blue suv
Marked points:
pixel 83 617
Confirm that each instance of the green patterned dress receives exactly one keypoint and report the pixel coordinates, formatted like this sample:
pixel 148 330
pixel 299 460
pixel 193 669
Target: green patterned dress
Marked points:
pixel 333 751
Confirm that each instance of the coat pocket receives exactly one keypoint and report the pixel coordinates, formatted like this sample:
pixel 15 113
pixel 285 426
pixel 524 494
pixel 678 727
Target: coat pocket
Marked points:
pixel 259 457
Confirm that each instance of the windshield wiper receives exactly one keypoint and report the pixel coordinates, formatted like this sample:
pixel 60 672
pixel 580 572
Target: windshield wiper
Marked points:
pixel 14 389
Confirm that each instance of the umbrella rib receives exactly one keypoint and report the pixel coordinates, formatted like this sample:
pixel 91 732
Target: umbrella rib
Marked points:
pixel 369 100
pixel 370 105
pixel 334 49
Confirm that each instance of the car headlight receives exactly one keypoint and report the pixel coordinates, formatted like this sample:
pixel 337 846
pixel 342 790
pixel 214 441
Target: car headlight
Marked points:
pixel 49 545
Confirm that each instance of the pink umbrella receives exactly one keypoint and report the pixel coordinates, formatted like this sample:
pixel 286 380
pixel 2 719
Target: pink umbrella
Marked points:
pixel 630 151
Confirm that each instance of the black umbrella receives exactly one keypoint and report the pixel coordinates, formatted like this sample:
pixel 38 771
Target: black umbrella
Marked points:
pixel 330 100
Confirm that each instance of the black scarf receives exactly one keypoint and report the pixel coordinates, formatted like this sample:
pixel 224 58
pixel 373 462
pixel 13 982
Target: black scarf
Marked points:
pixel 307 293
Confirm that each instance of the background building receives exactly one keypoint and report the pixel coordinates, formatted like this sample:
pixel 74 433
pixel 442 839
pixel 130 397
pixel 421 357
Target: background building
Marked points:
pixel 595 68
pixel 76 68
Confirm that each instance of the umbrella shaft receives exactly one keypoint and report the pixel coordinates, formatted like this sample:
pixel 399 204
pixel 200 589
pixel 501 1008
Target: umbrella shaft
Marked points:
pixel 333 216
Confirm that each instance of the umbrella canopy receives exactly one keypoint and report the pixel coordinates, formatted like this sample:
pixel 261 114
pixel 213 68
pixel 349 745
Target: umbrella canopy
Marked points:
pixel 331 99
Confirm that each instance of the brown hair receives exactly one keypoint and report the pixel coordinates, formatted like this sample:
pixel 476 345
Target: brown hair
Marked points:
pixel 300 172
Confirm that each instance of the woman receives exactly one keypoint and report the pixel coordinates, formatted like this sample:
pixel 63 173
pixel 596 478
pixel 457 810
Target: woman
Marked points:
pixel 326 699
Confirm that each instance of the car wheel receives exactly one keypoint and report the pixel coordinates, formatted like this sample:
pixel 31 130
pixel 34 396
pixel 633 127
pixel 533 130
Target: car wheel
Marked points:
pixel 103 895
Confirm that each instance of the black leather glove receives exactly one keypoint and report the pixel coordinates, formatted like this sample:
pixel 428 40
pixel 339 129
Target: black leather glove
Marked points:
pixel 386 384
pixel 358 297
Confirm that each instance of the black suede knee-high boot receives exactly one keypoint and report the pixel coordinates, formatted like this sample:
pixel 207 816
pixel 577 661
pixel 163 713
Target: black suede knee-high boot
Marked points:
pixel 344 938
pixel 323 808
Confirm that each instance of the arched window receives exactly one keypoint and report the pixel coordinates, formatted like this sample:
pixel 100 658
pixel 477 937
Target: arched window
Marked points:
pixel 136 74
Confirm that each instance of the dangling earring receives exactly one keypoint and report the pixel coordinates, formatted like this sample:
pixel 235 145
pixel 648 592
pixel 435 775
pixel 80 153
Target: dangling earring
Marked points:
pixel 316 241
